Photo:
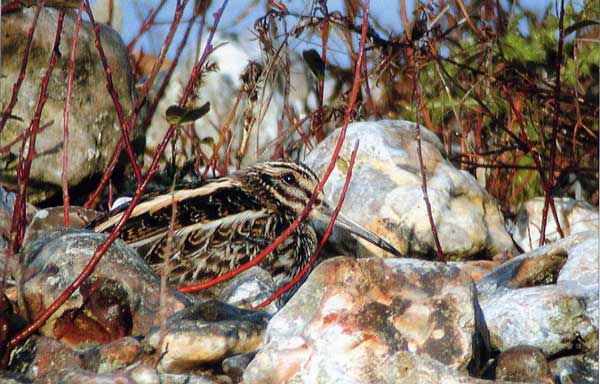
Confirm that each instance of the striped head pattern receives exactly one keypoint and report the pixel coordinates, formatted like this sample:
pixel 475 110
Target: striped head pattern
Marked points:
pixel 284 187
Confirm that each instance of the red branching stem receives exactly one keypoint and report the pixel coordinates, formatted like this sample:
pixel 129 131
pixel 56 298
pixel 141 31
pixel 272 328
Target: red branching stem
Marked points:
pixel 319 187
pixel 370 101
pixel 146 25
pixel 17 86
pixel 115 97
pixel 535 156
pixel 20 137
pixel 321 84
pixel 555 116
pixel 115 158
pixel 65 162
pixel 436 240
pixel 17 229
pixel 103 247
pixel 326 236
pixel 12 6
pixel 161 57
pixel 213 162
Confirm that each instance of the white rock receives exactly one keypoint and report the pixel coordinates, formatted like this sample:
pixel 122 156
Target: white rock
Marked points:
pixel 385 192
pixel 373 321
pixel 549 317
pixel 553 317
pixel 574 217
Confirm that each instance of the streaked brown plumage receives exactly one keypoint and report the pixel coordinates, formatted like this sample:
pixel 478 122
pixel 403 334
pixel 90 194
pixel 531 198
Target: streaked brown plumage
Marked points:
pixel 225 222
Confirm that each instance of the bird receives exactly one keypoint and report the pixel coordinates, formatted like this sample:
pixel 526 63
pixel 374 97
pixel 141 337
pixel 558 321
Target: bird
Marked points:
pixel 224 222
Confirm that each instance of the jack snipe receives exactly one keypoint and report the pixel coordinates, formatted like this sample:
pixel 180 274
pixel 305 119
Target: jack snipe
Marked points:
pixel 225 222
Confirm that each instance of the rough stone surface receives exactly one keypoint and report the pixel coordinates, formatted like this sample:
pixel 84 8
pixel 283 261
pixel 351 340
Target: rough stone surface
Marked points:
pixel 580 273
pixel 580 369
pixel 501 279
pixel 78 376
pixel 400 367
pixel 574 216
pixel 476 268
pixel 351 315
pixel 250 288
pixel 145 374
pixel 526 301
pixel 385 194
pixel 206 333
pixel 120 298
pixel 114 355
pixel 13 378
pixel 94 128
pixel 40 356
pixel 234 366
pixel 548 317
pixel 172 378
pixel 523 363
pixel 53 218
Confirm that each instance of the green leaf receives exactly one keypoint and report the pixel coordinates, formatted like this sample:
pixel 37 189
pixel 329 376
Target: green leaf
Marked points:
pixel 180 116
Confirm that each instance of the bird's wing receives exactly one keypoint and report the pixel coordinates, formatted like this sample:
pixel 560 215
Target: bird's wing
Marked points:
pixel 208 202
pixel 212 249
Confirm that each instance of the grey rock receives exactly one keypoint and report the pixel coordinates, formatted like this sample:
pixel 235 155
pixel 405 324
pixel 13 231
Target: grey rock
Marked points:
pixel 554 317
pixel 144 374
pixel 122 293
pixel 94 129
pixel 205 333
pixel 13 378
pixel 580 369
pixel 234 366
pixel 548 317
pixel 53 218
pixel 77 376
pixel 574 216
pixel 249 289
pixel 173 378
pixel 385 194
pixel 523 363
pixel 40 356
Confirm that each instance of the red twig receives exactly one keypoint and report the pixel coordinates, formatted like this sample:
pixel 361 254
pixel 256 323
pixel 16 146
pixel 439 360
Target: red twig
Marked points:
pixel 536 157
pixel 555 113
pixel 12 6
pixel 17 229
pixel 319 187
pixel 161 57
pixel 326 236
pixel 370 102
pixel 436 240
pixel 102 248
pixel 146 25
pixel 321 81
pixel 17 86
pixel 214 159
pixel 115 158
pixel 65 163
pixel 125 127
pixel 20 137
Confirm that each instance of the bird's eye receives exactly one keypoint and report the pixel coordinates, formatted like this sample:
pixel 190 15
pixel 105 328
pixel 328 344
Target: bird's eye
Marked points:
pixel 288 178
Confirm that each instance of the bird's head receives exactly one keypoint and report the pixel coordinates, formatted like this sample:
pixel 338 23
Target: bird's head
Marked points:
pixel 287 187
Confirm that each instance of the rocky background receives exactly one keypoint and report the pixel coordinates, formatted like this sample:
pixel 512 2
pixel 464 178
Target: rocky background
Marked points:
pixel 501 307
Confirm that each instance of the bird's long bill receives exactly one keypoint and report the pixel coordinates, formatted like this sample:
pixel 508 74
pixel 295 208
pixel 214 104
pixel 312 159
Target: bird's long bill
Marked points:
pixel 354 228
